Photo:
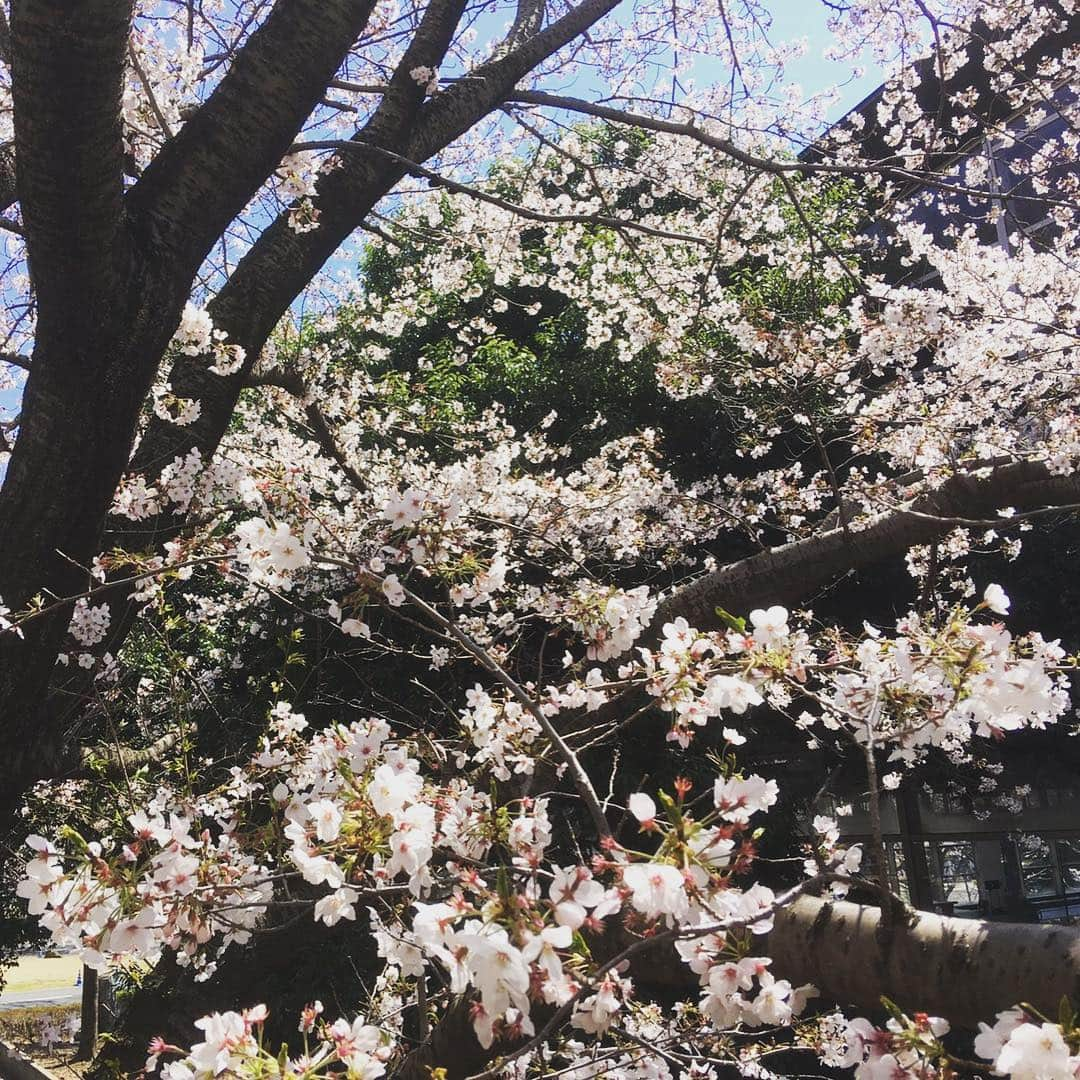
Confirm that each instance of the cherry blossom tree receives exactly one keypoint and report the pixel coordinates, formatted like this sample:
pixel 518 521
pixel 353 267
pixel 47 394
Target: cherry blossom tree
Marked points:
pixel 201 466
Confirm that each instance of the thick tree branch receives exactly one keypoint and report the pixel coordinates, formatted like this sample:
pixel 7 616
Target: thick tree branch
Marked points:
pixel 792 572
pixel 853 959
pixel 844 950
pixel 282 262
pixel 404 96
pixel 111 277
pixel 204 176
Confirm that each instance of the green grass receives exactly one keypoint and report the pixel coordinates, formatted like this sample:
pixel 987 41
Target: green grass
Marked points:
pixel 41 973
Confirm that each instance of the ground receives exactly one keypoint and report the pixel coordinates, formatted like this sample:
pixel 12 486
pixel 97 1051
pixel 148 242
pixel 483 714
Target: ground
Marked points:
pixel 21 1026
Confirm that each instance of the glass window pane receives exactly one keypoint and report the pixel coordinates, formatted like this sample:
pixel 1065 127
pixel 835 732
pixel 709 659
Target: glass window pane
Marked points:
pixel 957 859
pixel 1033 850
pixel 1039 881
pixel 1070 877
pixel 1069 850
pixel 952 871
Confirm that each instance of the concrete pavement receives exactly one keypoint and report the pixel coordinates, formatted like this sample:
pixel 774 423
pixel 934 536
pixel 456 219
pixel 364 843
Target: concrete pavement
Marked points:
pixel 57 995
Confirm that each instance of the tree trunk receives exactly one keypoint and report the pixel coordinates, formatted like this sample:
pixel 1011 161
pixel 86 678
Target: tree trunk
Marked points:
pixel 62 473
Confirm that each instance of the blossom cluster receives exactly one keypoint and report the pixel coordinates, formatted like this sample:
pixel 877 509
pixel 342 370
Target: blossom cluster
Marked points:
pixel 338 490
pixel 358 821
pixel 1021 1044
pixel 926 686
pixel 233 1045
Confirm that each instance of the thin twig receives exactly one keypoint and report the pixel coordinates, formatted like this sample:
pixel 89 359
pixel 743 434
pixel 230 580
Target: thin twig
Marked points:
pixel 577 773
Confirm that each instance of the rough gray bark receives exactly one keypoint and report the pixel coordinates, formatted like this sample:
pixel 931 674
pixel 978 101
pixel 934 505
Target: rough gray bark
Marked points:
pixel 794 571
pixel 67 76
pixel 966 970
pixel 203 177
pixel 963 969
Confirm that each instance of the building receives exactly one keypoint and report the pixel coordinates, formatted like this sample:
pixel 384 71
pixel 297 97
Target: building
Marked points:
pixel 989 861
pixel 1012 855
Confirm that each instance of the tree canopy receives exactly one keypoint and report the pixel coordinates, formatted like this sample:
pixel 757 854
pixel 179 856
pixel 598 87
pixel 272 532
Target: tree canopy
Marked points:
pixel 440 524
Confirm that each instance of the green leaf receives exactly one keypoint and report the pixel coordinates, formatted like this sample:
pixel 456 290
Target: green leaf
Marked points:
pixel 1066 1014
pixel 732 622
pixel 894 1010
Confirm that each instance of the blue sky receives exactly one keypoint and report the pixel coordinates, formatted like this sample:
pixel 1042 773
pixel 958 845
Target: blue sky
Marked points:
pixel 807 18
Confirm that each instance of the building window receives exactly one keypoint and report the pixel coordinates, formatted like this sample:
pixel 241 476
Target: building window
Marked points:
pixel 1037 870
pixel 896 869
pixel 953 877
pixel 1068 852
pixel 1048 867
